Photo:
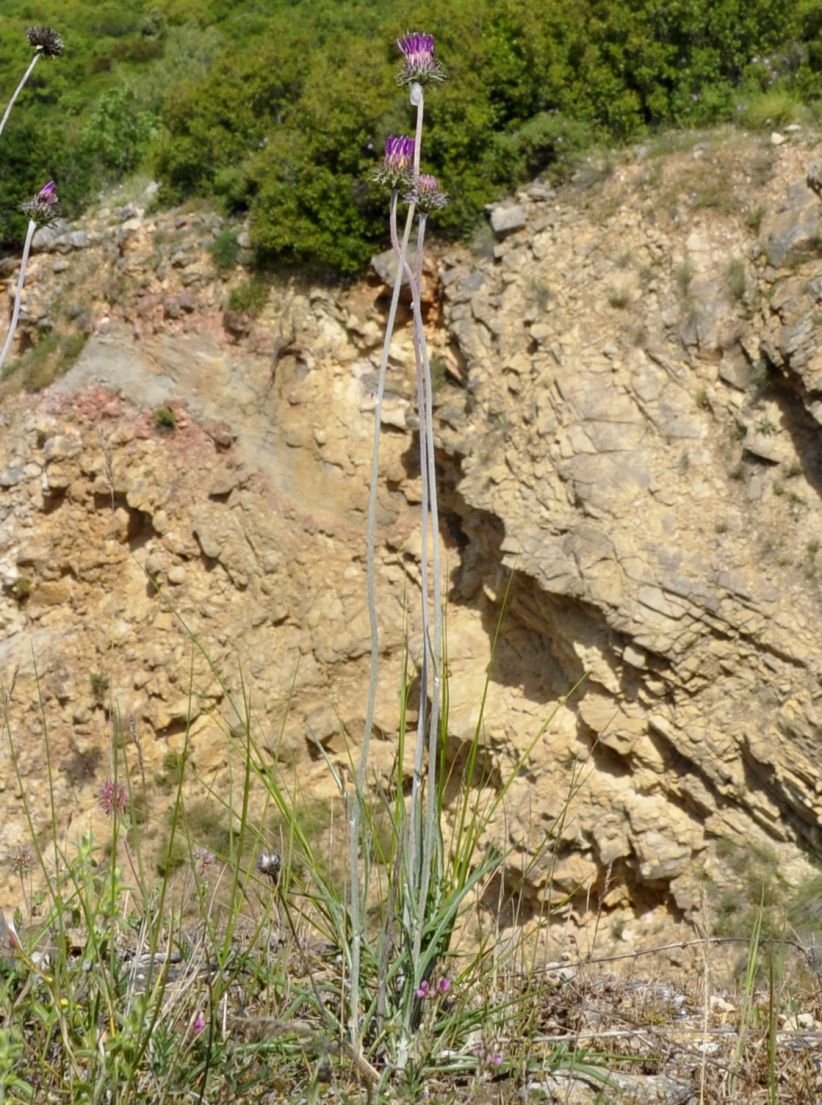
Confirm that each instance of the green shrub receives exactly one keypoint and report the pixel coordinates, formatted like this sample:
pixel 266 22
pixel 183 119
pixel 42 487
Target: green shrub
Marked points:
pixel 99 685
pixel 22 587
pixel 248 298
pixel 439 373
pixel 533 84
pixel 47 361
pixel 165 418
pixel 771 109
pixel 803 907
pixel 684 274
pixel 736 279
pixel 753 882
pixel 618 299
pixel 225 250
pixel 118 131
pixel 281 111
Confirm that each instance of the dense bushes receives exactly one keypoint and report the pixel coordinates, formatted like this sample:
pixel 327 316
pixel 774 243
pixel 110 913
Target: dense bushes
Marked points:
pixel 279 109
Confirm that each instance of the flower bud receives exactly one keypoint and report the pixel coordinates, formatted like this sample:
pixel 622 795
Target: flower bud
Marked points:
pixel 426 194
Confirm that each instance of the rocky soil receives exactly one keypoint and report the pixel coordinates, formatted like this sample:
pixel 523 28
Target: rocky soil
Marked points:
pixel 629 398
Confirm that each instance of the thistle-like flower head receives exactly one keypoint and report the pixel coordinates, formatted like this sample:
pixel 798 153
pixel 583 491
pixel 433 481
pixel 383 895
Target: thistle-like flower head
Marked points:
pixel 45 40
pixel 48 194
pixel 419 64
pixel 113 798
pixel 397 163
pixel 43 208
pixel 426 193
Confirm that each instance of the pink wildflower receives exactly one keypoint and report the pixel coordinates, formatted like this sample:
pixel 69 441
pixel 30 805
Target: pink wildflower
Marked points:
pixel 113 798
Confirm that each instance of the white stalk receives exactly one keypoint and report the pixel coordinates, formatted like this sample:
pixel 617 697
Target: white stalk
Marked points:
pixel 19 88
pixel 18 296
pixel 355 809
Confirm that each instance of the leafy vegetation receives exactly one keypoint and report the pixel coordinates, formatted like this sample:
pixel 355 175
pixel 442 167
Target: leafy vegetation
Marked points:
pixel 278 109
pixel 248 297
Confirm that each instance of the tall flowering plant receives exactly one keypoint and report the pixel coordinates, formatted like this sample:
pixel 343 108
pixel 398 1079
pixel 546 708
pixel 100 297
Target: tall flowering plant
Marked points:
pixel 47 44
pixel 42 208
pixel 417 929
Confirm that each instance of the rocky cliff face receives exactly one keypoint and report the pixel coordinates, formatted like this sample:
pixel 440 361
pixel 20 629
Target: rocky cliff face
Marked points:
pixel 629 403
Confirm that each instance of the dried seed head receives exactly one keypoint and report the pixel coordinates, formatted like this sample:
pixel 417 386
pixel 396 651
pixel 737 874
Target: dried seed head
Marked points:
pixel 269 864
pixel 21 859
pixel 46 40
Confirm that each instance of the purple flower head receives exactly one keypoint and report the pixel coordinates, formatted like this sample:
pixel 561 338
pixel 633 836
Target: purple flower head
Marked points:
pixel 444 985
pixel 399 153
pixel 489 1061
pixel 423 989
pixel 398 162
pixel 113 798
pixel 419 64
pixel 426 193
pixel 48 194
pixel 199 1022
pixel 42 208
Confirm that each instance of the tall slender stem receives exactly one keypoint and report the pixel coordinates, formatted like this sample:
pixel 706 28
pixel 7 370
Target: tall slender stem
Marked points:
pixel 413 902
pixel 355 809
pixel 420 871
pixel 419 832
pixel 19 88
pixel 434 642
pixel 18 295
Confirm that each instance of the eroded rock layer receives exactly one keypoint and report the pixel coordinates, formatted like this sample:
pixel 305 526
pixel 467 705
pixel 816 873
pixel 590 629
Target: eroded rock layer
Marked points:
pixel 628 407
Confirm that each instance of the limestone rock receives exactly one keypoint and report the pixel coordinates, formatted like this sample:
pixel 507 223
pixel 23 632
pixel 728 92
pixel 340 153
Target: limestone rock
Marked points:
pixel 507 218
pixel 627 434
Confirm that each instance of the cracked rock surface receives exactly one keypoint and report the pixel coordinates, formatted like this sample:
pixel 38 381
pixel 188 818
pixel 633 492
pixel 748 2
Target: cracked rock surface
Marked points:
pixel 628 413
